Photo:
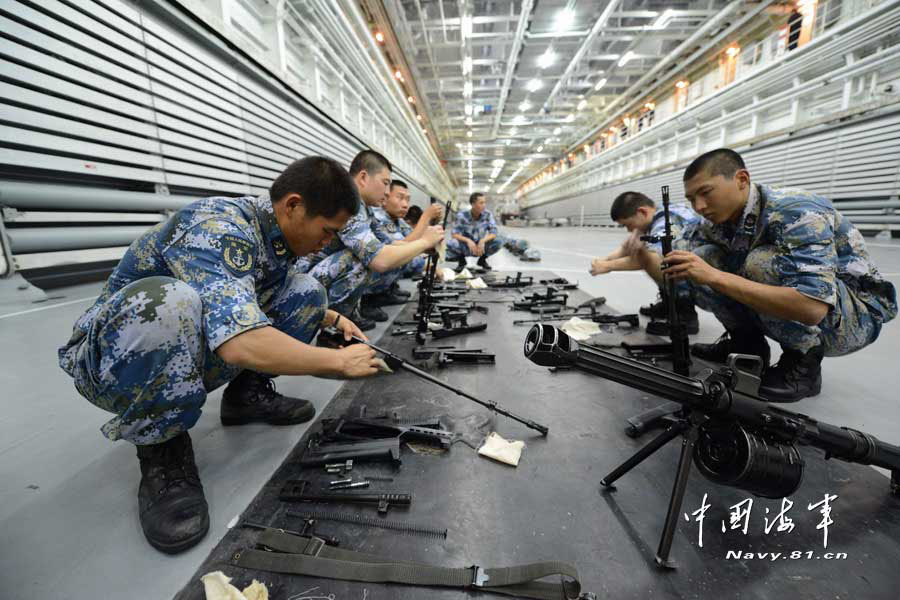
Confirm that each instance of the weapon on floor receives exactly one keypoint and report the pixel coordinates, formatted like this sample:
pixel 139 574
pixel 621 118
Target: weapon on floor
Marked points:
pixel 295 490
pixel 319 452
pixel 361 429
pixel 395 362
pixel 550 297
pixel 365 521
pixel 448 355
pixel 452 323
pixel 511 282
pixel 631 320
pixel 735 437
pixel 309 529
pixel 560 283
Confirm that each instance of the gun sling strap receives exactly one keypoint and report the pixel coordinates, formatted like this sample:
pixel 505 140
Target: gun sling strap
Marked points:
pixel 300 555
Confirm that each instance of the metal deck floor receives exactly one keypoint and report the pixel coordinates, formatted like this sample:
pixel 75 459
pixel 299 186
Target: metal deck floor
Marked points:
pixel 68 512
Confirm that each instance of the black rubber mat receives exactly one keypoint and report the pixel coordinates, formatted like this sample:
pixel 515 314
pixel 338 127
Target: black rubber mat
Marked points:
pixel 551 508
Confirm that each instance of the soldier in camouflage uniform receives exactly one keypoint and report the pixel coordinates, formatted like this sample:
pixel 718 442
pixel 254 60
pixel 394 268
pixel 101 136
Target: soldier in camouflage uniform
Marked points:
pixel 638 213
pixel 474 234
pixel 782 264
pixel 356 260
pixel 210 297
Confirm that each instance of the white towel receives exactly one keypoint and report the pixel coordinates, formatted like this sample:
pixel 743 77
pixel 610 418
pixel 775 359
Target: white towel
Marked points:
pixel 502 450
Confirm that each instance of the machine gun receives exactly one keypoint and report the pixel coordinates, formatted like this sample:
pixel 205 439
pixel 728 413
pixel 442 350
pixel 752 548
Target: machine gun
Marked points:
pixel 426 287
pixel 735 437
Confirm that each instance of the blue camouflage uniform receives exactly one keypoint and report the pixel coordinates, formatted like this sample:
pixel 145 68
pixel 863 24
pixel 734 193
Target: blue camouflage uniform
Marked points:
pixel 682 221
pixel 796 239
pixel 342 267
pixel 392 230
pixel 145 350
pixel 474 229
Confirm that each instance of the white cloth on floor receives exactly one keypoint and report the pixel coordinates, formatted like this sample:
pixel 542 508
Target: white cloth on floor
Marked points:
pixel 502 450
pixel 217 586
pixel 580 329
pixel 476 284
pixel 464 274
pixel 448 274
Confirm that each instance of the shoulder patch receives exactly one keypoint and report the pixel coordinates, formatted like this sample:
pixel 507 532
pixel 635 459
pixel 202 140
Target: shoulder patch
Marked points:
pixel 237 254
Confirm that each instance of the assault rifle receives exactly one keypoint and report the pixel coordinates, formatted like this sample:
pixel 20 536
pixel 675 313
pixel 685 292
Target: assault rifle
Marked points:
pixel 426 286
pixel 735 437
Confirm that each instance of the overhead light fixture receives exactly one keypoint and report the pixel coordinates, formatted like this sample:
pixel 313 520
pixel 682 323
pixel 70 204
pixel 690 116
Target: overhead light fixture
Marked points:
pixel 681 84
pixel 410 99
pixel 468 109
pixel 569 118
pixel 513 131
pixel 650 105
pixel 582 104
pixel 418 117
pixel 732 51
pixel 398 74
pixel 625 58
pixel 546 59
pixel 587 147
pixel 524 105
pixel 467 65
pixel 379 37
pixel 564 19
pixel 612 129
pixel 600 83
pixel 534 85
pixel 508 142
pixel 467 89
pixel 519 120
pixel 557 131
pixel 466 27
pixel 662 21
pixel 469 133
pixel 468 120
pixel 540 148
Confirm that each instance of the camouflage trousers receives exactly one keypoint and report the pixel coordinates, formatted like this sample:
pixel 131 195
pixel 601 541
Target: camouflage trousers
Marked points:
pixel 346 279
pixel 457 249
pixel 848 326
pixel 146 357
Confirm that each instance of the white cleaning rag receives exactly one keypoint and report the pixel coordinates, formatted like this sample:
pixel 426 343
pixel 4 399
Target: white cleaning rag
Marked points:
pixel 476 284
pixel 580 329
pixel 217 586
pixel 502 450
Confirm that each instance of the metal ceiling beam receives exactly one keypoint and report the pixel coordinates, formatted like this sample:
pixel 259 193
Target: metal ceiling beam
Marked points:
pixel 521 29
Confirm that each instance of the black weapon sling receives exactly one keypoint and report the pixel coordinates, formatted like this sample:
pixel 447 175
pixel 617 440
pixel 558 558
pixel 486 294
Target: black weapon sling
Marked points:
pixel 301 555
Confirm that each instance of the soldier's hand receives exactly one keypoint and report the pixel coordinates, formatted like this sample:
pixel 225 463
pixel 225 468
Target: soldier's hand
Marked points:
pixel 349 329
pixel 434 211
pixel 599 266
pixel 472 247
pixel 433 235
pixel 358 360
pixel 633 245
pixel 680 264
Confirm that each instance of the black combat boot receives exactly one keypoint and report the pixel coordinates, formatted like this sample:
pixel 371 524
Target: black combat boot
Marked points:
pixel 737 342
pixel 797 375
pixel 687 314
pixel 483 263
pixel 460 264
pixel 251 397
pixel 656 310
pixel 369 310
pixel 173 511
pixel 360 321
pixel 388 298
pixel 395 290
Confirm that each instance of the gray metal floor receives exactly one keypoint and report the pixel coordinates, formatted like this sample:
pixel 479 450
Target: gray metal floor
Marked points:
pixel 68 511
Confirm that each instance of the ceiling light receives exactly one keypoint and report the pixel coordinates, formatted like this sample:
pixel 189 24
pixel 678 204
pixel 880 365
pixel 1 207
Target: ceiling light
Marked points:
pixel 612 129
pixel 540 148
pixel 600 84
pixel 587 147
pixel 398 74
pixel 732 51
pixel 557 131
pixel 467 89
pixel 625 58
pixel 469 133
pixel 681 84
pixel 582 104
pixel 419 117
pixel 467 65
pixel 650 105
pixel 498 162
pixel 569 118
pixel 508 142
pixel 513 131
pixel 663 20
pixel 524 105
pixel 379 37
pixel 410 99
pixel 547 58
pixel 468 109
pixel 519 120
pixel 468 120
pixel 564 19
pixel 534 85
pixel 466 27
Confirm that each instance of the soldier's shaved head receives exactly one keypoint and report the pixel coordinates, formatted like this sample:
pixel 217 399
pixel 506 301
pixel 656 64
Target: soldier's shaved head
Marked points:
pixel 721 161
pixel 326 188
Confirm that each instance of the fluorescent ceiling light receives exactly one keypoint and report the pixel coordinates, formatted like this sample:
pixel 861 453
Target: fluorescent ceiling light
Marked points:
pixel 469 133
pixel 564 19
pixel 467 89
pixel 508 142
pixel 663 20
pixel 468 109
pixel 513 131
pixel 600 84
pixel 582 104
pixel 625 58
pixel 540 148
pixel 466 28
pixel 468 120
pixel 467 65
pixel 681 84
pixel 524 105
pixel 519 120
pixel 557 131
pixel 534 85
pixel 547 58
pixel 498 162
pixel 569 118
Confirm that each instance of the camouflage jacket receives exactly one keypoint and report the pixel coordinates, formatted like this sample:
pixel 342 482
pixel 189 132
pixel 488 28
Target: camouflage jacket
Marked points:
pixel 230 250
pixel 474 229
pixel 388 229
pixel 358 236
pixel 682 219
pixel 815 245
